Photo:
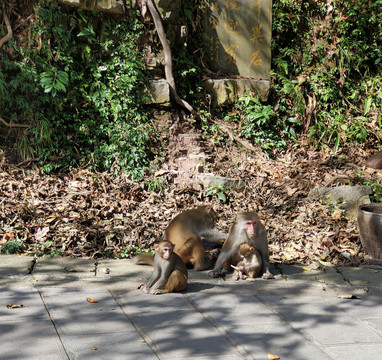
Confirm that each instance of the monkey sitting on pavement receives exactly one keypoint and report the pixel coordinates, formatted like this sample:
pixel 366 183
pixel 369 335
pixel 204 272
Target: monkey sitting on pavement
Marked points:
pixel 170 273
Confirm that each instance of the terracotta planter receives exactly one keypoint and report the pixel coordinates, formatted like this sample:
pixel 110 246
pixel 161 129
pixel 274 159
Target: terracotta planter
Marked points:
pixel 370 229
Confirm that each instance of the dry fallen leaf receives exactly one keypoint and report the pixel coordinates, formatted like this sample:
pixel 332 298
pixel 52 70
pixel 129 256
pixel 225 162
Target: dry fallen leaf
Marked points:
pixel 348 296
pixel 13 306
pixel 6 238
pixel 41 233
pixel 90 300
pixel 94 348
pixel 273 357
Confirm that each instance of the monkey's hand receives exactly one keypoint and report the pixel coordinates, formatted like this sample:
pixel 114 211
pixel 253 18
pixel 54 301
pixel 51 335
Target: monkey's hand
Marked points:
pixel 214 274
pixel 243 276
pixel 268 275
pixel 143 287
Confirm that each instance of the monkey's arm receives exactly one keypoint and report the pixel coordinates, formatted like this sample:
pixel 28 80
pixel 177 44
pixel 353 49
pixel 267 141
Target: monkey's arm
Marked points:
pixel 155 276
pixel 212 238
pixel 229 248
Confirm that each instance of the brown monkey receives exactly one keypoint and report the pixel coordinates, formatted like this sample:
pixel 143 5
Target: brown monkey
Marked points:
pixel 246 229
pixel 250 264
pixel 170 273
pixel 190 231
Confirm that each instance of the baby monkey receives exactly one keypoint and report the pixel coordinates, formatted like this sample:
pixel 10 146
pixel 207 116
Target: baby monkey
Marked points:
pixel 250 264
pixel 170 273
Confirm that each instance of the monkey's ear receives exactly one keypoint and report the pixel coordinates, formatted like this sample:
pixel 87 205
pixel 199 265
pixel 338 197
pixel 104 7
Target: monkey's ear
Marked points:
pixel 208 209
pixel 252 249
pixel 156 247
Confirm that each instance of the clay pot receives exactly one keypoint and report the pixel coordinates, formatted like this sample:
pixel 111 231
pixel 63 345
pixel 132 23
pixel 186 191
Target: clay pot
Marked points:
pixel 370 229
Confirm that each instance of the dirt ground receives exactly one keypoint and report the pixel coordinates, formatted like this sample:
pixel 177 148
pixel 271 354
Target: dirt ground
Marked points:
pixel 89 214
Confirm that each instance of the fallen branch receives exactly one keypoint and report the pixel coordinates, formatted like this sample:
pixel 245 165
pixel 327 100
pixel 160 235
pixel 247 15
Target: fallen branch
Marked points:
pixel 9 36
pixel 11 125
pixel 167 53
pixel 244 143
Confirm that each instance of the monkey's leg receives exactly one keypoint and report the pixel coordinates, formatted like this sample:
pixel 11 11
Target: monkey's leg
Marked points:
pixel 198 256
pixel 176 282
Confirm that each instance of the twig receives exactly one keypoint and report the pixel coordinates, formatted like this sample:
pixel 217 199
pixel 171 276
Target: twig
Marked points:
pixel 9 36
pixel 28 161
pixel 11 125
pixel 167 54
pixel 246 144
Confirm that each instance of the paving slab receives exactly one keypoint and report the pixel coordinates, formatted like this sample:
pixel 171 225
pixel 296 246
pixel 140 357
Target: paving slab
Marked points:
pixel 328 313
pixel 279 339
pixel 26 329
pixel 176 329
pixel 31 340
pixel 94 330
pixel 15 265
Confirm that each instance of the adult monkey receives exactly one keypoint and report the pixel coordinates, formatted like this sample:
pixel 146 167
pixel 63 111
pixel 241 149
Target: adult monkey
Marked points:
pixel 192 230
pixel 170 273
pixel 247 228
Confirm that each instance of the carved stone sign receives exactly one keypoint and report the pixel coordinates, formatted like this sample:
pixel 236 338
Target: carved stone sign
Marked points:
pixel 239 37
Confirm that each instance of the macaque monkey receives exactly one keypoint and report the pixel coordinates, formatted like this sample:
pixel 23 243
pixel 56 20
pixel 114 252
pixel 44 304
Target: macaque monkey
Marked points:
pixel 247 229
pixel 170 273
pixel 190 231
pixel 250 264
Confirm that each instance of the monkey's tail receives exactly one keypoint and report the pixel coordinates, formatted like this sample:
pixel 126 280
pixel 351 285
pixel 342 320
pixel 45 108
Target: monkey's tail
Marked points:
pixel 144 259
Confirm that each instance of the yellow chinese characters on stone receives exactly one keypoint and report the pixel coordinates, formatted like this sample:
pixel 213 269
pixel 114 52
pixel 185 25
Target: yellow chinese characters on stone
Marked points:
pixel 256 33
pixel 232 4
pixel 257 5
pixel 255 60
pixel 231 53
pixel 232 27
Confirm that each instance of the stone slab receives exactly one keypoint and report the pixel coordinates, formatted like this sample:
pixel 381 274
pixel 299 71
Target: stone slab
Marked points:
pixel 279 339
pixel 356 351
pixel 107 346
pixel 322 322
pixel 238 37
pixel 30 340
pixel 15 265
pixel 29 298
pixel 180 334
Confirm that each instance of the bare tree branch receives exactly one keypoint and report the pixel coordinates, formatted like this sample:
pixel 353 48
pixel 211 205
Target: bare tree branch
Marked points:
pixel 9 36
pixel 167 53
pixel 11 125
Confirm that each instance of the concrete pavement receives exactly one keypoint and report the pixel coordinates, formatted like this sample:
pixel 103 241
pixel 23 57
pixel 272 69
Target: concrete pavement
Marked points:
pixel 302 314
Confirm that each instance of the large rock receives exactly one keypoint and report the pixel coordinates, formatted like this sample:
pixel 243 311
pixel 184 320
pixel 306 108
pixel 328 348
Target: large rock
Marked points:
pixel 111 6
pixel 228 91
pixel 345 197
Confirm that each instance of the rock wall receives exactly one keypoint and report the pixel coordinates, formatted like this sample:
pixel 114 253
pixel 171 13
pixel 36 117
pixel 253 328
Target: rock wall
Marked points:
pixel 237 49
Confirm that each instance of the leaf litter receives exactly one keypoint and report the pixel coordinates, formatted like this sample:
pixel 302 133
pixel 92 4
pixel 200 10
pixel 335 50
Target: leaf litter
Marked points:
pixel 90 214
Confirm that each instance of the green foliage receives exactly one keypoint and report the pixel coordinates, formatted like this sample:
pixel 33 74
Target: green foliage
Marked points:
pixel 218 192
pixel 77 84
pixel 155 185
pixel 12 247
pixel 327 66
pixel 130 251
pixel 377 191
pixel 260 124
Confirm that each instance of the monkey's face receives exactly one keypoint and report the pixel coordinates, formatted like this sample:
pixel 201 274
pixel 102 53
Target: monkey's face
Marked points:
pixel 166 253
pixel 246 251
pixel 250 226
